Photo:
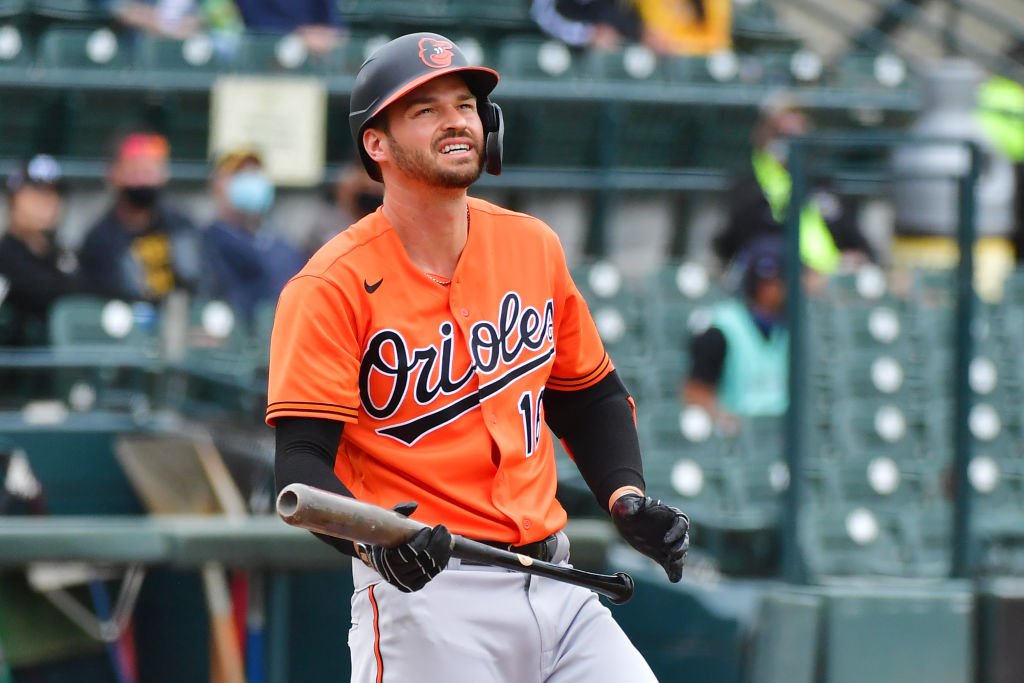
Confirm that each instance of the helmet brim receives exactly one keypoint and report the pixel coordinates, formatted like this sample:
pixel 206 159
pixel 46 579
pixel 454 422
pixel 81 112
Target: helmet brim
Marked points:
pixel 480 79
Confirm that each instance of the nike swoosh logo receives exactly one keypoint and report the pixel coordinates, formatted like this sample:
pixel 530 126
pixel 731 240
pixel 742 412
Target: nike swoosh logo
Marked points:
pixel 370 289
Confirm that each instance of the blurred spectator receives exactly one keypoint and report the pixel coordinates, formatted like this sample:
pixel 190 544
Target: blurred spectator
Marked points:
pixel 681 27
pixel 143 248
pixel 601 24
pixel 35 271
pixel 354 195
pixel 759 198
pixel 317 22
pixel 250 263
pixel 740 363
pixel 177 19
pixel 1001 116
pixel 686 27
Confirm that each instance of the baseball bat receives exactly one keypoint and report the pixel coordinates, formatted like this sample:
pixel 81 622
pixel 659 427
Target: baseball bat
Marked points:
pixel 342 517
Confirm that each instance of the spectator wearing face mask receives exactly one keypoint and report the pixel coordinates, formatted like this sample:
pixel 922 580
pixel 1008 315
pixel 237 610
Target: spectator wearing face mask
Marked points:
pixel 142 249
pixel 250 262
pixel 34 270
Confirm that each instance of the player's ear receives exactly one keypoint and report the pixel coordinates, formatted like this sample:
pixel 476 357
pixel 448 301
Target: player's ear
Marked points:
pixel 375 144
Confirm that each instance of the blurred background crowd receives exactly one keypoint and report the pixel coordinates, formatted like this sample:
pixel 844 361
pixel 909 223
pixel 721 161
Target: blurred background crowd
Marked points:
pixel 143 249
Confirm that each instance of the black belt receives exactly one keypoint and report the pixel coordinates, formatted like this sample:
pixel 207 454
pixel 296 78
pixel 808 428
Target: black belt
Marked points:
pixel 542 550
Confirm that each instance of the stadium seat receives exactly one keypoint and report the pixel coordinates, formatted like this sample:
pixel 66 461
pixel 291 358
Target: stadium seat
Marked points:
pixel 27 123
pixel 866 429
pixel 844 540
pixel 926 534
pixel 653 136
pixel 762 438
pixel 113 348
pixel 69 10
pixel 83 322
pixel 83 48
pixel 274 54
pixel 615 308
pixel 553 134
pixel 880 328
pixel 15 45
pixel 535 58
pixel 195 55
pixel 634 63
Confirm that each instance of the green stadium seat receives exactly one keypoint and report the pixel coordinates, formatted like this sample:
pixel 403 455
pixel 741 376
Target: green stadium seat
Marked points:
pixel 926 534
pixel 553 134
pixel 614 307
pixel 865 285
pixel 196 55
pixel 92 117
pixel 867 375
pixel 879 328
pixel 634 63
pixel 708 491
pixel 274 54
pixel 877 482
pixel 15 45
pixel 867 429
pixel 82 322
pixel 350 55
pixel 535 58
pixel 688 430
pixel 83 48
pixel 27 123
pixel 686 69
pixel 845 540
pixel 869 71
pixel 114 349
pixel 762 438
pixel 653 136
pixel 185 118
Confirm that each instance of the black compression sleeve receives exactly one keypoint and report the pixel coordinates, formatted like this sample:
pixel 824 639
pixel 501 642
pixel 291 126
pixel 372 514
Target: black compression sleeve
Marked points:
pixel 304 453
pixel 598 428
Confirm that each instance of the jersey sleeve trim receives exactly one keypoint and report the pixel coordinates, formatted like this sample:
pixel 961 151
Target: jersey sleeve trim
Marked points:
pixel 311 409
pixel 583 380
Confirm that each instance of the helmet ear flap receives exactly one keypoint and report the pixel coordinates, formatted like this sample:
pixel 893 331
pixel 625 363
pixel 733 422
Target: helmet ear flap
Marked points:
pixel 494 135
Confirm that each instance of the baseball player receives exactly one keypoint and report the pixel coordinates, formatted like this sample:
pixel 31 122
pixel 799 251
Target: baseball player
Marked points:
pixel 418 357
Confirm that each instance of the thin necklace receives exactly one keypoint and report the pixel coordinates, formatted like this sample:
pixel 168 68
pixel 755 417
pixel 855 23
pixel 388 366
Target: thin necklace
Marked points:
pixel 439 280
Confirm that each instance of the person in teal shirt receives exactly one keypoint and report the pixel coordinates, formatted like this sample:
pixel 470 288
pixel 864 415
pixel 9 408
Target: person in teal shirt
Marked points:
pixel 740 362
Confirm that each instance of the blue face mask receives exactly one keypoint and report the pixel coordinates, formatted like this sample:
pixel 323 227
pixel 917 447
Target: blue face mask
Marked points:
pixel 250 192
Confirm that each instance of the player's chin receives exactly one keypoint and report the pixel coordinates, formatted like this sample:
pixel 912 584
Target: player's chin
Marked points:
pixel 460 176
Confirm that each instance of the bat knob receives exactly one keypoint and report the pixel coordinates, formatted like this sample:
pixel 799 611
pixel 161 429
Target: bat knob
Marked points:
pixel 625 591
pixel 287 503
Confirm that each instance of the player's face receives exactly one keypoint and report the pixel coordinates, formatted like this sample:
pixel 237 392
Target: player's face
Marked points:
pixel 435 134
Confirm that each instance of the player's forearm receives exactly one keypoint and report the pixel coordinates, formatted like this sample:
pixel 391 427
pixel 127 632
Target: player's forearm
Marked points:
pixel 598 428
pixel 304 453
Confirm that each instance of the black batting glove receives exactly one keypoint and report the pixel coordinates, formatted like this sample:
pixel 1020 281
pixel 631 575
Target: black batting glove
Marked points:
pixel 409 566
pixel 659 531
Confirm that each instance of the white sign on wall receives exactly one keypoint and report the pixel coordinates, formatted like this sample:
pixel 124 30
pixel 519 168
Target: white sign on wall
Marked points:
pixel 283 118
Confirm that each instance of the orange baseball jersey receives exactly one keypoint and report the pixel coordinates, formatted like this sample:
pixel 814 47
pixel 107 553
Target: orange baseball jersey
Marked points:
pixel 441 387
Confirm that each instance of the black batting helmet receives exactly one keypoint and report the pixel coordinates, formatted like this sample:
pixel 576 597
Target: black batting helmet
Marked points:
pixel 407 62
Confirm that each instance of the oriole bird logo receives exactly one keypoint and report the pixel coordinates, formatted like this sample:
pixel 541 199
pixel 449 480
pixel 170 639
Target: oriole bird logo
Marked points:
pixel 436 54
